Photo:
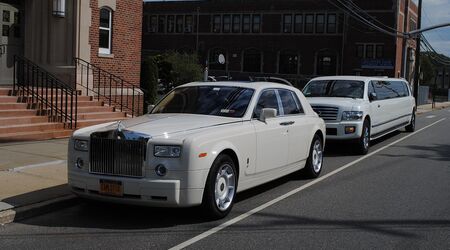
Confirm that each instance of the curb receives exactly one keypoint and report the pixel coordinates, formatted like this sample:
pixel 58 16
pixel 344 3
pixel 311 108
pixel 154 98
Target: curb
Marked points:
pixel 23 212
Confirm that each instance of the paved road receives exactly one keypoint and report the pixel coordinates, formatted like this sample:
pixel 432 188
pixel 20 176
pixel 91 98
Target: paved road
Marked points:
pixel 398 197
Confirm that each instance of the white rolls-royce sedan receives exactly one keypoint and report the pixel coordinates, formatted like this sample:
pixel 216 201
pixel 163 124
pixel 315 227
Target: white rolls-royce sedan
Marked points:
pixel 200 145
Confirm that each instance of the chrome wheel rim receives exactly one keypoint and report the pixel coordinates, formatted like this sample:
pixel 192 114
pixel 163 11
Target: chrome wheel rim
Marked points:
pixel 317 156
pixel 366 137
pixel 225 187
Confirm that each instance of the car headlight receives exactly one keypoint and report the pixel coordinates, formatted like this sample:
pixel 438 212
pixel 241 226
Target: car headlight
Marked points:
pixel 352 115
pixel 81 145
pixel 167 151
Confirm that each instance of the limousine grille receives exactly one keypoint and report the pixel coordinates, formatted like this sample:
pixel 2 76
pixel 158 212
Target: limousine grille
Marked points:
pixel 117 157
pixel 328 113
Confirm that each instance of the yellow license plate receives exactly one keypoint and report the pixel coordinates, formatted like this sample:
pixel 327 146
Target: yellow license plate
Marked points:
pixel 113 188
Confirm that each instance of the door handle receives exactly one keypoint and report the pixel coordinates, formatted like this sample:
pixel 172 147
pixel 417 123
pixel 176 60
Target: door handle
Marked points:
pixel 287 123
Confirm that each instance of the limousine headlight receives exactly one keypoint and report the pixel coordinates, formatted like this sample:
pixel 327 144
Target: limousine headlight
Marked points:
pixel 167 151
pixel 352 115
pixel 81 145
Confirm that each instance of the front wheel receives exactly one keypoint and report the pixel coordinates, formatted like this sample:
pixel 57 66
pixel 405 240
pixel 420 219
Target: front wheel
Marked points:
pixel 314 163
pixel 362 145
pixel 220 189
pixel 412 125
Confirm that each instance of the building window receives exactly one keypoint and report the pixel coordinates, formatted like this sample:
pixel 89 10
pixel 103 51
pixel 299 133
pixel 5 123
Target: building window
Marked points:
pixel 369 51
pixel 287 23
pixel 326 63
pixel 360 51
pixel 59 8
pixel 331 23
pixel 252 59
pixel 105 35
pixel 256 27
pixel 288 63
pixel 153 24
pixel 180 25
pixel 161 24
pixel 214 59
pixel 379 51
pixel 236 23
pixel 320 23
pixel 246 23
pixel 217 23
pixel 170 24
pixel 298 28
pixel 188 23
pixel 226 24
pixel 412 25
pixel 309 23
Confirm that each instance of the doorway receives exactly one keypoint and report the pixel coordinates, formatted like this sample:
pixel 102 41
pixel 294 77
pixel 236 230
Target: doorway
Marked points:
pixel 11 40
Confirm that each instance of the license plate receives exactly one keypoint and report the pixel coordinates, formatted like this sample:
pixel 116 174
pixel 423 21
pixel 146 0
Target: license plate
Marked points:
pixel 112 188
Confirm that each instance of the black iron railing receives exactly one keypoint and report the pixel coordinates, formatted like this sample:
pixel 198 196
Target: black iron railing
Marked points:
pixel 45 92
pixel 109 88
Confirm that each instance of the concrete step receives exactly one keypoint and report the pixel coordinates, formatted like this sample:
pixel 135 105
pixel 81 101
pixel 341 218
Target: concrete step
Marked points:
pixel 83 103
pixel 79 98
pixel 30 127
pixel 9 99
pixel 6 106
pixel 90 122
pixel 5 91
pixel 95 109
pixel 17 112
pixel 100 115
pixel 18 120
pixel 35 135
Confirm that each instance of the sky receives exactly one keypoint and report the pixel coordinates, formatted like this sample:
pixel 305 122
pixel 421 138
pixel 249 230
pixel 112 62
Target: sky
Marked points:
pixel 437 12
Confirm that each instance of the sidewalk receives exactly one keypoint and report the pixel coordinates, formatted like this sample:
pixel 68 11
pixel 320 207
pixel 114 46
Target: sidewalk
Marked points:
pixel 33 176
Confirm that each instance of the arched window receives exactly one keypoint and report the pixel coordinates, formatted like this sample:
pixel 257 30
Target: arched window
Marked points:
pixel 105 32
pixel 288 62
pixel 252 60
pixel 326 63
pixel 213 59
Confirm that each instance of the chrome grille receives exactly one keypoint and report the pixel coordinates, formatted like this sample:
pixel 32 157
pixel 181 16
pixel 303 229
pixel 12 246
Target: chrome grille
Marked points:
pixel 117 157
pixel 328 113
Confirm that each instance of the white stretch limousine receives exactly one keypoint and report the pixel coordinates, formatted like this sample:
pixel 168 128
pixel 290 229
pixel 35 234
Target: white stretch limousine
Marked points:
pixel 201 144
pixel 361 108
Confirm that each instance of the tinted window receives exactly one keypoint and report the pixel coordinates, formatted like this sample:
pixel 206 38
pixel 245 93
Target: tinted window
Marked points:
pixel 384 90
pixel 290 105
pixel 399 88
pixel 268 99
pixel 206 100
pixel 335 88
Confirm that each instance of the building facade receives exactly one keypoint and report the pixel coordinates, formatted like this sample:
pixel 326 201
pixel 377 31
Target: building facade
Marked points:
pixel 295 40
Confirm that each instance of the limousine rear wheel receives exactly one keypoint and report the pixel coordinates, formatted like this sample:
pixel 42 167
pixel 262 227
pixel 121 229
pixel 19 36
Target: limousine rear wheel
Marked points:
pixel 220 188
pixel 314 163
pixel 364 140
pixel 412 125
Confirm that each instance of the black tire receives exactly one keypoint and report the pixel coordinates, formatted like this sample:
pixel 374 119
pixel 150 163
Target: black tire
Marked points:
pixel 209 195
pixel 311 169
pixel 363 143
pixel 412 125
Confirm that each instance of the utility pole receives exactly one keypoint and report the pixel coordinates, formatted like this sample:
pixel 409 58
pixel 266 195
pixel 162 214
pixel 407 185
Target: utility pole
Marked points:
pixel 417 62
pixel 405 39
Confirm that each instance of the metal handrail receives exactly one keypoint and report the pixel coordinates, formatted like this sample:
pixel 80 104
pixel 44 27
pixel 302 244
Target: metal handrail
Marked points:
pixel 50 95
pixel 101 83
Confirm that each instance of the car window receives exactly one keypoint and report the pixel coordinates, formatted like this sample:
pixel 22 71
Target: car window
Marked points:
pixel 290 105
pixel 370 88
pixel 384 90
pixel 334 88
pixel 268 99
pixel 399 87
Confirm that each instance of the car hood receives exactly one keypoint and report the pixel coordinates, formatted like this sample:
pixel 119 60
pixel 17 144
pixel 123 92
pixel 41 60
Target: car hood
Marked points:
pixel 155 125
pixel 341 102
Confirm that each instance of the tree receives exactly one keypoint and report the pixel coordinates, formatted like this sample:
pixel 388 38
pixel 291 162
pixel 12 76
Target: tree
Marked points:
pixel 149 80
pixel 179 68
pixel 427 68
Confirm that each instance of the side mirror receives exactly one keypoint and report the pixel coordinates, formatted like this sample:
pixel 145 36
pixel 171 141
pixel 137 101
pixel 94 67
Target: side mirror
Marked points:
pixel 372 96
pixel 150 108
pixel 267 113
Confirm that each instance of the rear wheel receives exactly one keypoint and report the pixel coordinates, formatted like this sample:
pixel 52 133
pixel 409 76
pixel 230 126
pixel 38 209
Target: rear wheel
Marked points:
pixel 412 125
pixel 314 163
pixel 362 145
pixel 220 189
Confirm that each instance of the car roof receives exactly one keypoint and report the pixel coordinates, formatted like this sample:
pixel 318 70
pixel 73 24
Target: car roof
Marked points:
pixel 242 84
pixel 357 78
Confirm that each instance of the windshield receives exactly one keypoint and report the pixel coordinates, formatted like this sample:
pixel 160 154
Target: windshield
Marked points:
pixel 206 100
pixel 334 88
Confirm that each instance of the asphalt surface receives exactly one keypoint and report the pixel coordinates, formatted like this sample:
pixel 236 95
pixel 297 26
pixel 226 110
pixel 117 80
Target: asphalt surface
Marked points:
pixel 397 198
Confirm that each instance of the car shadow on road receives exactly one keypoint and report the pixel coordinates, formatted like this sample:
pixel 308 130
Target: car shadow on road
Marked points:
pixel 439 152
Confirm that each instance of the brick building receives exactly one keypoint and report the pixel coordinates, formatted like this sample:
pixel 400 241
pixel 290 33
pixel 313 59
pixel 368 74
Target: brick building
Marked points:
pixel 296 40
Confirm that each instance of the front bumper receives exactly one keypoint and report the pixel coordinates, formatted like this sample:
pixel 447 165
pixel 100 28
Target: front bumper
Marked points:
pixel 336 130
pixel 142 191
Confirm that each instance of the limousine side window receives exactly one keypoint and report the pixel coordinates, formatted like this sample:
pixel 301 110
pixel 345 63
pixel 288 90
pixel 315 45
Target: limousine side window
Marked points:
pixel 384 90
pixel 400 88
pixel 291 106
pixel 268 99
